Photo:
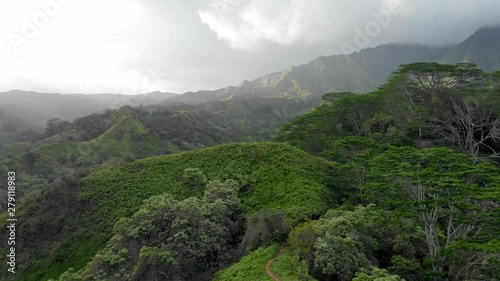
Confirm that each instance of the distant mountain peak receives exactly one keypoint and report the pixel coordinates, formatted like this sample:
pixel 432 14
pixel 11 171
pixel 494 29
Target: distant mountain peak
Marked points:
pixel 481 48
pixel 489 27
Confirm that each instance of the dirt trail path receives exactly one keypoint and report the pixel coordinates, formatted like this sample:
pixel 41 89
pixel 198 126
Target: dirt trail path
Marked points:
pixel 269 262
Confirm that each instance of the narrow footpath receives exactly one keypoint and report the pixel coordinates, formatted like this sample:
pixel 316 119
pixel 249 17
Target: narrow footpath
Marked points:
pixel 269 262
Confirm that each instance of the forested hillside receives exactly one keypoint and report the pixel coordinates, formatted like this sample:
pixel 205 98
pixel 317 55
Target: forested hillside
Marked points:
pixel 103 140
pixel 398 184
pixel 425 149
pixel 272 181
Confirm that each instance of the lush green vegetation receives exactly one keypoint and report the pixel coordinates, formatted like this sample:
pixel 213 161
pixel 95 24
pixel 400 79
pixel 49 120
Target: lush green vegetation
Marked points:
pixel 344 243
pixel 394 140
pixel 278 177
pixel 422 105
pixel 398 184
pixel 251 267
pixel 272 176
pixel 289 267
pixel 106 139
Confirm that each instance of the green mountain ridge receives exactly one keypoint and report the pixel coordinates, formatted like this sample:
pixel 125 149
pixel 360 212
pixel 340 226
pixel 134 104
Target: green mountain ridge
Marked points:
pixel 359 72
pixel 362 71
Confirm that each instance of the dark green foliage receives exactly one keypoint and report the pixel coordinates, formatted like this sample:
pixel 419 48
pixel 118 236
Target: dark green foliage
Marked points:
pixel 347 115
pixel 450 197
pixel 264 228
pixel 348 242
pixel 172 240
pixel 194 179
pixel 55 126
pixel 344 243
pixel 302 239
pixel 50 222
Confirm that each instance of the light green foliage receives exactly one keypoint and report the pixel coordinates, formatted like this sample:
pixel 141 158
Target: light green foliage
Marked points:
pixel 265 227
pixel 377 275
pixel 289 267
pixel 287 179
pixel 118 140
pixel 251 267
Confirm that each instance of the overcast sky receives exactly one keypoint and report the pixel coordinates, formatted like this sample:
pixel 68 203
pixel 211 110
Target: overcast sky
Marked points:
pixel 139 46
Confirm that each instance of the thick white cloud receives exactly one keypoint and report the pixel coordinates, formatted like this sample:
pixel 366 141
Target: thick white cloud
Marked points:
pixel 244 25
pixel 248 24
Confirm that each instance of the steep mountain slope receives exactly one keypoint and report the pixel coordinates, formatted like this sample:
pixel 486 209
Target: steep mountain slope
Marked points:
pixel 280 177
pixel 482 48
pixel 360 72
